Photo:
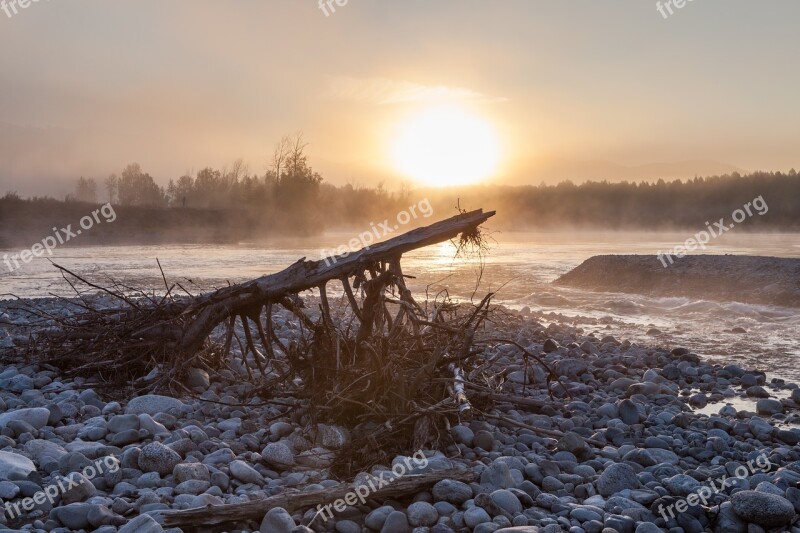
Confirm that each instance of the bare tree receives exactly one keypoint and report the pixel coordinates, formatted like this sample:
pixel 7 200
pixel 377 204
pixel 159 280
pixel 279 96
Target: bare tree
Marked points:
pixel 112 184
pixel 280 155
pixel 238 171
pixel 297 157
pixel 85 190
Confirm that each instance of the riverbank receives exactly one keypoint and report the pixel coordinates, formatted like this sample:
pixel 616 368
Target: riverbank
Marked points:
pixel 748 279
pixel 630 445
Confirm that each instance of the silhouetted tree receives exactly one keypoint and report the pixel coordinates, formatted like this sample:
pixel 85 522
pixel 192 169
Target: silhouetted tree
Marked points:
pixel 139 189
pixel 85 191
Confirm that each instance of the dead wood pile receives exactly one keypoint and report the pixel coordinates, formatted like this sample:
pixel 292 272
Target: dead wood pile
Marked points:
pixel 394 371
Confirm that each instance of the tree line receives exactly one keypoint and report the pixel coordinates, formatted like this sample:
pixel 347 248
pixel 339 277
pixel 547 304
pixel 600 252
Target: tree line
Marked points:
pixel 291 197
pixel 659 205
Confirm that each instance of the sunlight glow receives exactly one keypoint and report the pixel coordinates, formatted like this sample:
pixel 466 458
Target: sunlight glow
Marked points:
pixel 445 146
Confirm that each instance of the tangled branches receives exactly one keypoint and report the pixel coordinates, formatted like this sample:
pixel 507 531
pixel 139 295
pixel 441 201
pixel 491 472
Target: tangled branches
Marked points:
pixel 394 371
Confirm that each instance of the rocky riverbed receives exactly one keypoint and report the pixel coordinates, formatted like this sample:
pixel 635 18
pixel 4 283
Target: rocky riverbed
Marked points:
pixel 634 448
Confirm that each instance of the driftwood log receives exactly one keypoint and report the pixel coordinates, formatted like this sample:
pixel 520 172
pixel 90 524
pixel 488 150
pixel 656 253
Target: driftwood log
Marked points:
pixel 381 262
pixel 123 344
pixel 299 501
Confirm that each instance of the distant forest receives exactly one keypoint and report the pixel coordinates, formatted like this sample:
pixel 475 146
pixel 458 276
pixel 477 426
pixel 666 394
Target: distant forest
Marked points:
pixel 644 206
pixel 291 199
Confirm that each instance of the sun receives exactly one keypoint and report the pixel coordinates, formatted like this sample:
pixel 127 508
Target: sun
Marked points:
pixel 445 146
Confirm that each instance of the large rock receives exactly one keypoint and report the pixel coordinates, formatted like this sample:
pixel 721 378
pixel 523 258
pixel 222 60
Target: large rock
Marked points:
pixel 77 516
pixel 451 491
pixel 507 501
pixel 663 456
pixel 759 426
pixel 765 509
pixel 186 471
pixel 153 404
pixel 728 521
pixel 35 416
pixel 91 450
pixel 147 423
pixel 8 490
pixel 197 378
pixel 768 407
pixel 575 444
pixel 476 515
pixel 14 465
pixel 396 522
pixel 497 476
pixel 628 412
pixel 615 478
pixel 80 489
pixel 331 437
pixel 278 454
pixel 100 515
pixel 422 514
pixel 44 451
pixel 245 473
pixel 120 423
pixel 681 484
pixel 377 518
pixel 143 523
pixel 74 516
pixel 155 457
pixel 277 520
pixel 571 368
pixel 316 458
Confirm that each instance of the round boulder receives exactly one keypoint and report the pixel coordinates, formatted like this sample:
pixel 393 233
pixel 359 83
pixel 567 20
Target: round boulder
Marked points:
pixel 155 457
pixel 762 508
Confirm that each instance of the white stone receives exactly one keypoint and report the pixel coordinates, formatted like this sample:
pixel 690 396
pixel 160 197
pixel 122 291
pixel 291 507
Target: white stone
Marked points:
pixel 152 404
pixel 14 463
pixel 35 416
pixel 245 473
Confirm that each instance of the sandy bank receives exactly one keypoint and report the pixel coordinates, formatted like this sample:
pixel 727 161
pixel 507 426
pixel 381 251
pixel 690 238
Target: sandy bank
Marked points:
pixel 749 279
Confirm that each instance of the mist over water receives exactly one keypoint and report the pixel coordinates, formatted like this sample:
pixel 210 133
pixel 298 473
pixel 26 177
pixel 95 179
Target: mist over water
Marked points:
pixel 519 267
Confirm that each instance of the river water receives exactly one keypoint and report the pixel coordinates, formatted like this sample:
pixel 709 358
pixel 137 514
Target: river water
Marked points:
pixel 519 267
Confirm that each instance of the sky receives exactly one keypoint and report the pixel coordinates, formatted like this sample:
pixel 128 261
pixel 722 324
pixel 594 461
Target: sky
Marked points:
pixel 569 89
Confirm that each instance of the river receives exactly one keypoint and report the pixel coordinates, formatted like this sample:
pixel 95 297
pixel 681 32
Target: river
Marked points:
pixel 519 267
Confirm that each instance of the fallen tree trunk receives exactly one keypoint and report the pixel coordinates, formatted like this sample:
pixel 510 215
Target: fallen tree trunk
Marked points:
pixel 394 373
pixel 209 311
pixel 176 330
pixel 300 501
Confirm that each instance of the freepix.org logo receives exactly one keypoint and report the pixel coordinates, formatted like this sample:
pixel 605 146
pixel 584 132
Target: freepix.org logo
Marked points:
pixel 60 486
pixel 327 6
pixel 12 7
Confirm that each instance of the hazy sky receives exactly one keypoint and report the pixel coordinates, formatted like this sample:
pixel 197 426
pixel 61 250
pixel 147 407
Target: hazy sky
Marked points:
pixel 573 89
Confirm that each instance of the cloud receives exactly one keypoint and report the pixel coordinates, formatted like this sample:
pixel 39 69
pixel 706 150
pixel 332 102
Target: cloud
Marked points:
pixel 383 91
